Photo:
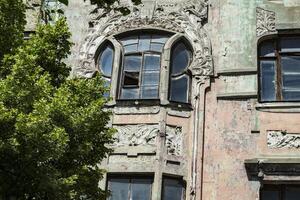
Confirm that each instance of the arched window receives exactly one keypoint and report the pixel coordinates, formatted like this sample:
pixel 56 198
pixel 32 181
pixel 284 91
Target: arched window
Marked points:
pixel 279 64
pixel 141 66
pixel 132 64
pixel 179 77
pixel 105 63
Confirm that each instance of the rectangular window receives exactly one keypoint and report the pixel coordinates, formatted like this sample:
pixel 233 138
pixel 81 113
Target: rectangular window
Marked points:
pixel 279 63
pixel 130 188
pixel 173 189
pixel 280 192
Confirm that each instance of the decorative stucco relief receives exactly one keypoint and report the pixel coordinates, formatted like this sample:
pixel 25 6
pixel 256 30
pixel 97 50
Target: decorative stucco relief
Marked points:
pixel 265 22
pixel 186 18
pixel 281 139
pixel 137 134
pixel 174 139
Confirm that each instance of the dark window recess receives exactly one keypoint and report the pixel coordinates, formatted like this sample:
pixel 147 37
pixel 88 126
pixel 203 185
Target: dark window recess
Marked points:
pixel 279 63
pixel 173 189
pixel 179 77
pixel 130 188
pixel 141 68
pixel 105 64
pixel 280 192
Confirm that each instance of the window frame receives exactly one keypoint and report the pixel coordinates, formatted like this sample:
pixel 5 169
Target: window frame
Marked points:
pixel 278 54
pixel 186 71
pixel 179 179
pixel 129 177
pixel 281 188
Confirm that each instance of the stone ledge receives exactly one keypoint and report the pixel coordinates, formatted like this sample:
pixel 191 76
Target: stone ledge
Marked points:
pixel 279 107
pixel 240 71
pixel 273 168
pixel 239 95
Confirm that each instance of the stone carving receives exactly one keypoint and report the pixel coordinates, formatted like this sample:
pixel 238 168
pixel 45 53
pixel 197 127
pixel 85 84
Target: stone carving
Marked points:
pixel 174 139
pixel 265 22
pixel 137 134
pixel 280 139
pixel 186 18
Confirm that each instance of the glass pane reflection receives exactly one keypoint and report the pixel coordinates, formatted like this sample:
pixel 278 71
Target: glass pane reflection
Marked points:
pixel 180 58
pixel 267 70
pixel 179 89
pixel 119 189
pixel 106 61
pixel 173 189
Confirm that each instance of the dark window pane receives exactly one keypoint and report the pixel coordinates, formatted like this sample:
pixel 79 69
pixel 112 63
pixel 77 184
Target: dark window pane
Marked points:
pixel 291 77
pixel 172 189
pixel 159 38
pixel 267 48
pixel 106 61
pixel 290 64
pixel 267 80
pixel 141 189
pixel 292 193
pixel 131 78
pixel 290 44
pixel 144 43
pixel 149 92
pixel 150 78
pixel 157 47
pixel 132 63
pixel 180 58
pixel 152 62
pixel 130 93
pixel 131 48
pixel 269 195
pixel 129 40
pixel 179 89
pixel 119 189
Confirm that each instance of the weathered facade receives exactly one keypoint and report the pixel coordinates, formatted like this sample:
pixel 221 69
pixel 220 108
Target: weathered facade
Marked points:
pixel 226 139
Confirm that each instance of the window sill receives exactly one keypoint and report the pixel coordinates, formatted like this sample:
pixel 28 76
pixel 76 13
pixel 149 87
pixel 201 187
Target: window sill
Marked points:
pixel 279 107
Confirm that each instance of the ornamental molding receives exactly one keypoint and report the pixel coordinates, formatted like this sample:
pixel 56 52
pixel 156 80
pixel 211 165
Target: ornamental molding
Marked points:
pixel 136 135
pixel 174 140
pixel 186 18
pixel 282 139
pixel 265 22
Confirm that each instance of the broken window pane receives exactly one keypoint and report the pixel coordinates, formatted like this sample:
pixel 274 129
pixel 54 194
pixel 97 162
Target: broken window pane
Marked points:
pixel 132 63
pixel 172 189
pixel 179 89
pixel 267 70
pixel 106 61
pixel 180 58
pixel 131 78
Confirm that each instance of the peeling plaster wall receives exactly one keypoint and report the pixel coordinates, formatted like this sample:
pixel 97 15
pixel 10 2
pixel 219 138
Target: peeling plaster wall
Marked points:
pixel 236 127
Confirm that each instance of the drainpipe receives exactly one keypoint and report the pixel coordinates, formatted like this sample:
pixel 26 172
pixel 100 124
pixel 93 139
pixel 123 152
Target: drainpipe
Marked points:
pixel 202 83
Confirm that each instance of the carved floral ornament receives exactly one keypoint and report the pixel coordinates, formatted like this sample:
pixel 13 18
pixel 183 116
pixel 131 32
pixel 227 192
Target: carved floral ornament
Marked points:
pixel 185 18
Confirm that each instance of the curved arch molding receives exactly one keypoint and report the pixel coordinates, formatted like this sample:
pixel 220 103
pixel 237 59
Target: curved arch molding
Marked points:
pixel 186 18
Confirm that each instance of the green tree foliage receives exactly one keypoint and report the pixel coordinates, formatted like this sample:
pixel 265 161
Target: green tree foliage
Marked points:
pixel 53 130
pixel 12 22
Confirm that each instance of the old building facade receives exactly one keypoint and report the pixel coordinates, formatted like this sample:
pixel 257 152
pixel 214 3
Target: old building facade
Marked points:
pixel 204 93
